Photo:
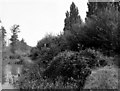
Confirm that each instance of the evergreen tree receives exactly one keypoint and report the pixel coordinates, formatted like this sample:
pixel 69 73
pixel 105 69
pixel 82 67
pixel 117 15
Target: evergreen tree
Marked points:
pixel 67 21
pixel 73 13
pixel 14 37
pixel 72 18
pixel 72 23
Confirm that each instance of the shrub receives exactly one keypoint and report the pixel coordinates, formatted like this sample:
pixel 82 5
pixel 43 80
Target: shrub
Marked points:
pixel 47 48
pixel 103 78
pixel 75 66
pixel 70 65
pixel 32 79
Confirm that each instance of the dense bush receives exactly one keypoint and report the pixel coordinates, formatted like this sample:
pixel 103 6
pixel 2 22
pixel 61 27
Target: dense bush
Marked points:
pixel 103 78
pixel 75 66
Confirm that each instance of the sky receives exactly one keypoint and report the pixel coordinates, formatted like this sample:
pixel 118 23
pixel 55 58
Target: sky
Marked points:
pixel 37 17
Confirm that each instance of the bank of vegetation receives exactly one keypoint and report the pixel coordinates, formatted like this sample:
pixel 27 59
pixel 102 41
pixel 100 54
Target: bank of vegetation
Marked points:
pixel 86 55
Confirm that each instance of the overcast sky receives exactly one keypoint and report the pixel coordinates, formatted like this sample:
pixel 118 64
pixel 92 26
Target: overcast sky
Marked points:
pixel 37 17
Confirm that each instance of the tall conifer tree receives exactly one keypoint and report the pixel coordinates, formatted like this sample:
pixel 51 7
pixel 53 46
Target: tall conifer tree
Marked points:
pixel 72 17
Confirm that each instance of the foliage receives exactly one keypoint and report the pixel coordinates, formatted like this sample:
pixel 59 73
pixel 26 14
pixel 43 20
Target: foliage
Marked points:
pixel 34 53
pixel 104 30
pixel 3 36
pixel 95 7
pixel 65 61
pixel 14 56
pixel 30 73
pixel 72 18
pixel 47 48
pixel 116 60
pixel 32 79
pixel 75 66
pixel 74 38
pixel 67 70
pixel 22 46
pixel 103 78
pixel 14 37
pixel 71 21
pixel 101 32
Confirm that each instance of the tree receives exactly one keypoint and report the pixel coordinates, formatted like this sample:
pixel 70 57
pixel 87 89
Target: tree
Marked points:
pixel 72 22
pixel 14 37
pixel 22 41
pixel 72 18
pixel 23 45
pixel 95 7
pixel 101 30
pixel 67 22
pixel 3 36
pixel 117 5
pixel 73 13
